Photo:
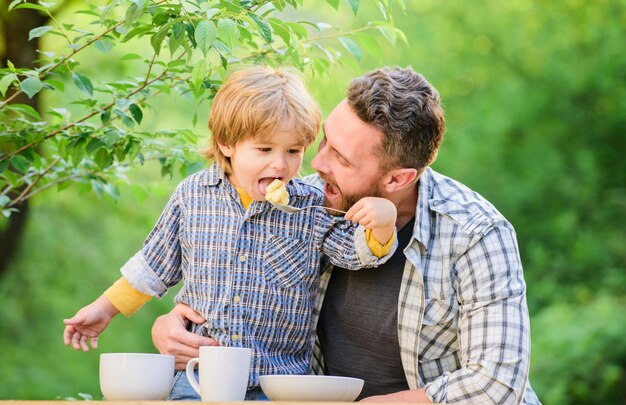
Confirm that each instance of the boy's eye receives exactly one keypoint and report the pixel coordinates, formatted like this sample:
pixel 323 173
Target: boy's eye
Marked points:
pixel 295 151
pixel 265 149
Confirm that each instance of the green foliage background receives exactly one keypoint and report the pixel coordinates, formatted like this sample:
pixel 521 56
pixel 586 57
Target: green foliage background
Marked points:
pixel 535 96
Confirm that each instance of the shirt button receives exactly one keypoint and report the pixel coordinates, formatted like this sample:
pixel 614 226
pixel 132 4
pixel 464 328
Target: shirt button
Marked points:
pixel 235 337
pixel 243 258
pixel 236 299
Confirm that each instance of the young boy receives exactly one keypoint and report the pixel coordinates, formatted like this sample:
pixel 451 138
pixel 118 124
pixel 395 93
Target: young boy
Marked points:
pixel 250 269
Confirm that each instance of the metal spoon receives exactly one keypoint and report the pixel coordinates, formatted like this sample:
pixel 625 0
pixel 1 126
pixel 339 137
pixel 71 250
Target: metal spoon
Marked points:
pixel 292 210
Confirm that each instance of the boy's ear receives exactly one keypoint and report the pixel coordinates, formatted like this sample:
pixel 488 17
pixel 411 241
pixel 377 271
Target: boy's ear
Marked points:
pixel 226 150
pixel 398 179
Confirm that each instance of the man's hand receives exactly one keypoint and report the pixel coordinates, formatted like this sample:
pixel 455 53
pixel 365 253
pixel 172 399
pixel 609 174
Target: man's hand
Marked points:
pixel 170 335
pixel 403 396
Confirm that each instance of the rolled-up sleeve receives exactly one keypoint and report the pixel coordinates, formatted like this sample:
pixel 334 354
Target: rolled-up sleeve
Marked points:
pixel 494 327
pixel 156 267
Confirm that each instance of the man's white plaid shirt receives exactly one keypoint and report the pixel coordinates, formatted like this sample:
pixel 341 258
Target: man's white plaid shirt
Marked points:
pixel 253 274
pixel 463 323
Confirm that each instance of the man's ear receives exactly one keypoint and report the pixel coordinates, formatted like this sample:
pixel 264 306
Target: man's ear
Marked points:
pixel 399 179
pixel 226 150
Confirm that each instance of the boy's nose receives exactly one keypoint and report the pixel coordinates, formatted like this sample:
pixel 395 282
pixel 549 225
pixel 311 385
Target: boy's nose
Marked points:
pixel 279 162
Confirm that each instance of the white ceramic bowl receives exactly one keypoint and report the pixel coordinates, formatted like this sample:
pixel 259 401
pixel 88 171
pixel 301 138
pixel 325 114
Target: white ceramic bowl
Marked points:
pixel 310 387
pixel 136 376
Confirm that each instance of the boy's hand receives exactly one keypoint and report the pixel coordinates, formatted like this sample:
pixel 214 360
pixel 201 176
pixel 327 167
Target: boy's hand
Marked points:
pixel 377 214
pixel 88 323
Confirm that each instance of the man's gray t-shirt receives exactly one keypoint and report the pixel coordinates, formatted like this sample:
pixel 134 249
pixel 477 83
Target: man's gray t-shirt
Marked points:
pixel 358 326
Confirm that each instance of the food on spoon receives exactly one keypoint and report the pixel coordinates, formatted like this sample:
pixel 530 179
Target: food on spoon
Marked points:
pixel 276 193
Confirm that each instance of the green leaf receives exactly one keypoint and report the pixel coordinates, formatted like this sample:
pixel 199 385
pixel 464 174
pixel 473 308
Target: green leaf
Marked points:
pixel 228 31
pixel 39 31
pixel 31 86
pixel 4 165
pixel 6 81
pixel 191 30
pixel 333 3
pixel 136 112
pixel 299 29
pixel 280 30
pixel 103 158
pixel 13 4
pixel 205 35
pixel 264 29
pixel 198 73
pixel 131 56
pixel 105 116
pixel 26 109
pixel 354 5
pixel 94 145
pixel 20 163
pixel 103 45
pixel 351 47
pixel 32 6
pixel 112 191
pixel 157 39
pixel 83 83
pixel 177 38
pixel 370 45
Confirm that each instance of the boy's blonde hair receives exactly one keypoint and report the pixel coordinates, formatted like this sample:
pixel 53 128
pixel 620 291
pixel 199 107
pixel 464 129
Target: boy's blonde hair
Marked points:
pixel 257 102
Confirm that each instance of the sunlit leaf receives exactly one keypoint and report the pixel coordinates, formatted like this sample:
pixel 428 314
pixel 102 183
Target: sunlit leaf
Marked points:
pixel 31 86
pixel 31 6
pixel 83 83
pixel 205 35
pixel 333 3
pixel 228 31
pixel 264 29
pixel 6 81
pixel 351 47
pixel 354 5
pixel 280 30
pixel 39 31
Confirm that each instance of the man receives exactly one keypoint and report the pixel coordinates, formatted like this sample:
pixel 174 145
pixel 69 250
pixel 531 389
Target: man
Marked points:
pixel 445 319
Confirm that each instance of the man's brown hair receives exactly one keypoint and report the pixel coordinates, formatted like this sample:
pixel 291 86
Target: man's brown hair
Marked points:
pixel 406 108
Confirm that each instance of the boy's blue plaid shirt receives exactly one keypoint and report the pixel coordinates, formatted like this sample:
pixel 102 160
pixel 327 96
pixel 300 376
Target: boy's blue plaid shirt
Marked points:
pixel 253 274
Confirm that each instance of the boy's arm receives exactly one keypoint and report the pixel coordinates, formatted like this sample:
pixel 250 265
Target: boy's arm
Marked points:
pixel 378 249
pixel 88 323
pixel 126 298
pixel 377 214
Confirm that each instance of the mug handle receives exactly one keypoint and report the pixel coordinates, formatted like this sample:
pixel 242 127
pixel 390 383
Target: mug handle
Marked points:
pixel 191 376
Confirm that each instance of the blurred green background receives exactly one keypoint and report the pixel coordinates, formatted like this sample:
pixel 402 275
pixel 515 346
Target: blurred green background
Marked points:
pixel 535 99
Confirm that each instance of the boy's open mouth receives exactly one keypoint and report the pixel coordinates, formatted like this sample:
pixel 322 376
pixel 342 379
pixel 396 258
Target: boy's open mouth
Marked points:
pixel 265 181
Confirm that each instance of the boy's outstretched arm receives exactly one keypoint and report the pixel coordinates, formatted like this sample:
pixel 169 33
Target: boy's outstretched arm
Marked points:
pixel 88 323
pixel 377 214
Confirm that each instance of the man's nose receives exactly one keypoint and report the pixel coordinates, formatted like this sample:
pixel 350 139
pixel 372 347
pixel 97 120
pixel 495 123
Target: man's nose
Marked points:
pixel 319 162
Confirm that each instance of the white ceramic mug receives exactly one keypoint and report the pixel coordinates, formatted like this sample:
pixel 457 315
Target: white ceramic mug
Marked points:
pixel 223 373
pixel 136 376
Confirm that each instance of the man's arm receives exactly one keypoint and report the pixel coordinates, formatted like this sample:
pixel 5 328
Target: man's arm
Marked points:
pixel 170 335
pixel 494 327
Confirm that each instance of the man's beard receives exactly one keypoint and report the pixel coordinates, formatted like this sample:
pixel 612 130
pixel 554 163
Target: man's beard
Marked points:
pixel 348 200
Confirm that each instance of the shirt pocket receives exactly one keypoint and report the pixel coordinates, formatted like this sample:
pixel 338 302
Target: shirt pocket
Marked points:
pixel 438 336
pixel 286 262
